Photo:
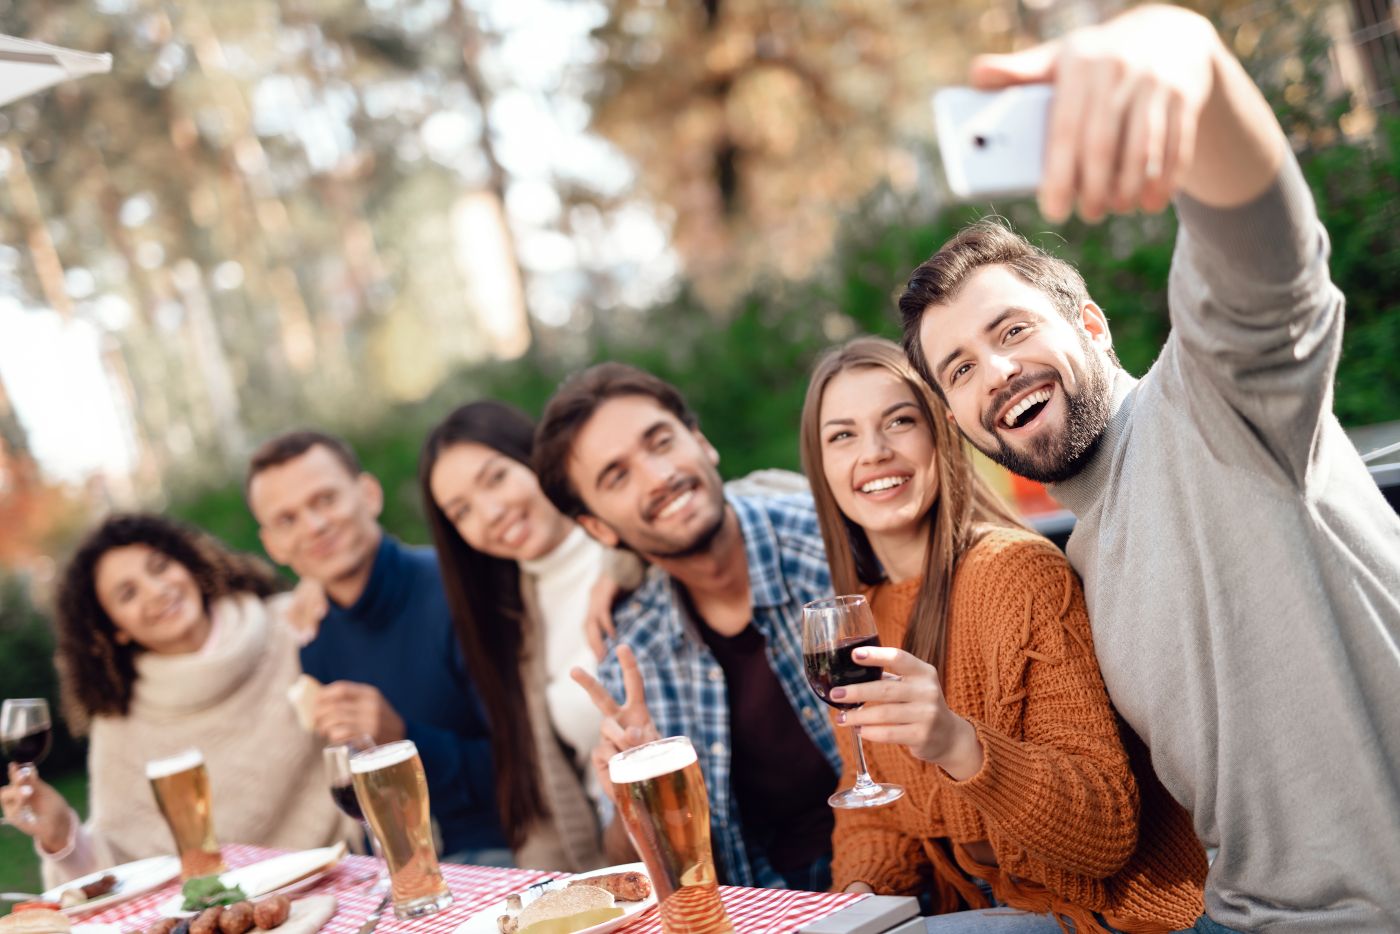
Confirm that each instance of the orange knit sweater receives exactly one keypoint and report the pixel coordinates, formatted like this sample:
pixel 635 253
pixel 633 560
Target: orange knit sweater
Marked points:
pixel 1078 824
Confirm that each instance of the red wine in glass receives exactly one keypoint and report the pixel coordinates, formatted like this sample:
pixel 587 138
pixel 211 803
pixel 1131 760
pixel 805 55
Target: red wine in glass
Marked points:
pixel 337 762
pixel 28 749
pixel 833 667
pixel 832 630
pixel 25 734
pixel 345 799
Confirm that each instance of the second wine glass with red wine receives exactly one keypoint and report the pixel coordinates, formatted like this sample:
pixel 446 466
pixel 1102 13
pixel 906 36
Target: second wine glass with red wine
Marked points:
pixel 25 734
pixel 832 629
pixel 337 759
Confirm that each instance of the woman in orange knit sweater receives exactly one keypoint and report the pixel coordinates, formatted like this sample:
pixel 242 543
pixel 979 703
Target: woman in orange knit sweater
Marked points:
pixel 1020 792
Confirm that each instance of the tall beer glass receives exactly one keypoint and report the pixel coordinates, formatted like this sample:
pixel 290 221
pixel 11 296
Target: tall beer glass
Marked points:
pixel 393 793
pixel 181 786
pixel 661 798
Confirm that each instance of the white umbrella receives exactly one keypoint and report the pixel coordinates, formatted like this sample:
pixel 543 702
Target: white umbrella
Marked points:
pixel 27 67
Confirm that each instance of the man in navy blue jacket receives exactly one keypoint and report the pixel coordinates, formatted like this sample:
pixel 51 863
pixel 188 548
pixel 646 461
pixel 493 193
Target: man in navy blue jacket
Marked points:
pixel 385 648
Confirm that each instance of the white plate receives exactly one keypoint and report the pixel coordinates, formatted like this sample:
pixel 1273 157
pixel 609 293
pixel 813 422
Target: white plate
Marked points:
pixel 484 922
pixel 133 879
pixel 286 873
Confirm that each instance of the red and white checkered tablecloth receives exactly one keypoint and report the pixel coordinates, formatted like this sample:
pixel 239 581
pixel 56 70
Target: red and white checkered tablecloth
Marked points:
pixel 761 911
pixel 475 888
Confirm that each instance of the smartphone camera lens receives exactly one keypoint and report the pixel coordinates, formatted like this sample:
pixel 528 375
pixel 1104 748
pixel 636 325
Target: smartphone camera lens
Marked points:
pixel 979 141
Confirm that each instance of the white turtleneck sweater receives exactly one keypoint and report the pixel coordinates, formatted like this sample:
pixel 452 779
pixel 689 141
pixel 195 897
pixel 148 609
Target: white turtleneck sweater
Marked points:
pixel 562 581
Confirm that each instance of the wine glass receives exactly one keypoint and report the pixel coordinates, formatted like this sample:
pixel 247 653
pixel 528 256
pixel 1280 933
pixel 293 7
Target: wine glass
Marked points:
pixel 832 629
pixel 337 759
pixel 25 735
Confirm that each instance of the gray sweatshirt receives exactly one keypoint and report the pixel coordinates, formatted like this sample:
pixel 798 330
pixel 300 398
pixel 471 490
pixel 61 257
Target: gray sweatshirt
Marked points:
pixel 1242 572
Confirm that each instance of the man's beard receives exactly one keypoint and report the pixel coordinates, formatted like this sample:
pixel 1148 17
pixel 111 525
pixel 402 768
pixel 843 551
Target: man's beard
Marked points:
pixel 703 540
pixel 700 545
pixel 1056 456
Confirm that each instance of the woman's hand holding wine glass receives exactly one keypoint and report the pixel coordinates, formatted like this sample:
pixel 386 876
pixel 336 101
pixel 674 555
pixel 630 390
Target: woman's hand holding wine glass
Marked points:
pixel 25 735
pixel 910 710
pixel 36 808
pixel 833 631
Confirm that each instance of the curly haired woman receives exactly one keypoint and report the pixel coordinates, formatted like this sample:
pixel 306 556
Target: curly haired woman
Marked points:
pixel 166 641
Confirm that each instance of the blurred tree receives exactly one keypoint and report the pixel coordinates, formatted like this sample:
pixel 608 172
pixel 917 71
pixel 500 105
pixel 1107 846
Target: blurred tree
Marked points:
pixel 778 117
pixel 270 229
pixel 262 226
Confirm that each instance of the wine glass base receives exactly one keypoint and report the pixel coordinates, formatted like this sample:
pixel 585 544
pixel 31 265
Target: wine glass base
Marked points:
pixel 869 796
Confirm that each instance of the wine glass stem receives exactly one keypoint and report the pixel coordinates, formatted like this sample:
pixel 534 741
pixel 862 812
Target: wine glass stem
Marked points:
pixel 26 813
pixel 863 779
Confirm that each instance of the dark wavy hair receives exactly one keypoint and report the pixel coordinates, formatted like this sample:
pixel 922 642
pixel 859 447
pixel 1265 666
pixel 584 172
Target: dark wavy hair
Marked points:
pixel 483 593
pixel 96 672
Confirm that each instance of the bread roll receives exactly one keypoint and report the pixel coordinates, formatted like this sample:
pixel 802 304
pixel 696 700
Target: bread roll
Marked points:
pixel 303 694
pixel 566 910
pixel 35 921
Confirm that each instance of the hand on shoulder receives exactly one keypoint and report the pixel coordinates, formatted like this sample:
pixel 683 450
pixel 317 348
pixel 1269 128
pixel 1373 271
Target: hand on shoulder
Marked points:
pixel 304 610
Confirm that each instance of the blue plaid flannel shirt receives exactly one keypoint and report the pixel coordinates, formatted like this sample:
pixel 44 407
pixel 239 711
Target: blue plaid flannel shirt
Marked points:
pixel 685 686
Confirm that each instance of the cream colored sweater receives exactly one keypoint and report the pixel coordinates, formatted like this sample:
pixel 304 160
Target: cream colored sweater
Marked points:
pixel 230 702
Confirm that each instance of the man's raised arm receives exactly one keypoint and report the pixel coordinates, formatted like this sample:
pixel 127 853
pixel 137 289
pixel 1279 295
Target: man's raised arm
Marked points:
pixel 1150 107
pixel 1146 105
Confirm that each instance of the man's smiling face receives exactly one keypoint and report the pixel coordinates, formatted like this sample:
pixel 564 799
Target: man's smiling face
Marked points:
pixel 647 479
pixel 1027 386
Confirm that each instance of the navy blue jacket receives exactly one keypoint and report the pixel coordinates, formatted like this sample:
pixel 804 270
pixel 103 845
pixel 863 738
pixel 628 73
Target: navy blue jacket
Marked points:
pixel 398 637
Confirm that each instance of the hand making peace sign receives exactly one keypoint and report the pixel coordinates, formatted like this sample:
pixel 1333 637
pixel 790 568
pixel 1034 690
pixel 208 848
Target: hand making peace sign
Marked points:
pixel 624 725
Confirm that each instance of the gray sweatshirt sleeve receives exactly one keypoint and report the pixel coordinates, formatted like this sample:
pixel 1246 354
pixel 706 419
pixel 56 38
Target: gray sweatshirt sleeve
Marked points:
pixel 1256 327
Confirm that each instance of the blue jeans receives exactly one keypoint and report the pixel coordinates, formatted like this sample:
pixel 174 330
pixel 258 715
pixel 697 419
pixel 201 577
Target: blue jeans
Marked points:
pixel 815 877
pixel 994 921
pixel 1204 925
pixel 487 856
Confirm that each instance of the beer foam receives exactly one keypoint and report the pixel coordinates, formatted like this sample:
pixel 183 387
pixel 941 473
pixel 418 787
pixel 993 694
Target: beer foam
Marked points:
pixel 381 757
pixel 650 760
pixel 171 765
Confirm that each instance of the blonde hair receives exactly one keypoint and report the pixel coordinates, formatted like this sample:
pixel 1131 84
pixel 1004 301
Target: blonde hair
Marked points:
pixel 966 507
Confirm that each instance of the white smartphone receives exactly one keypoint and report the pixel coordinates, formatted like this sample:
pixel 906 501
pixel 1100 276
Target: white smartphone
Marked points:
pixel 993 142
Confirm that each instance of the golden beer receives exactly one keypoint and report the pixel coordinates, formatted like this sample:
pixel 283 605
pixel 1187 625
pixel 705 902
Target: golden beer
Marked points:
pixel 661 798
pixel 393 793
pixel 181 787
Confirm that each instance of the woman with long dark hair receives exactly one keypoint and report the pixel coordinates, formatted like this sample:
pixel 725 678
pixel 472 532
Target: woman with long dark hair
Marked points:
pixel 1020 791
pixel 519 576
pixel 167 640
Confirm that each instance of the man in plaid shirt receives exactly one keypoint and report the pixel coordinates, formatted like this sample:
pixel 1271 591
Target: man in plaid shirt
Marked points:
pixel 710 646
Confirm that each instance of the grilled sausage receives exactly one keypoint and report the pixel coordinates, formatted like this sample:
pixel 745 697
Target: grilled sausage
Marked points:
pixel 100 886
pixel 163 926
pixel 271 912
pixel 623 886
pixel 236 919
pixel 207 921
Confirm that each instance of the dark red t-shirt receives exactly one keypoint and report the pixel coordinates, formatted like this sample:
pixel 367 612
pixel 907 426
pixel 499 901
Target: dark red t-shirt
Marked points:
pixel 781 779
